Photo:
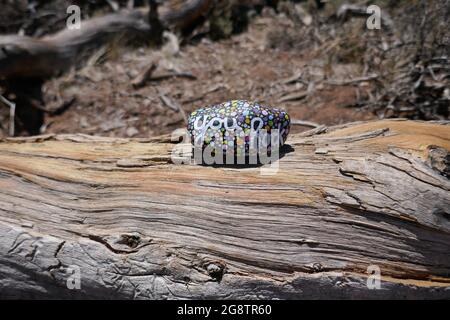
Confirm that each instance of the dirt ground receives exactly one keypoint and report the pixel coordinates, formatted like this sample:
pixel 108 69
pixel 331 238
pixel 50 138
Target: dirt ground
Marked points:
pixel 101 100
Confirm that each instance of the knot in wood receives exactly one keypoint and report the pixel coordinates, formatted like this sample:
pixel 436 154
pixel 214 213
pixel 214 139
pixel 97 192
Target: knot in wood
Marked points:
pixel 215 270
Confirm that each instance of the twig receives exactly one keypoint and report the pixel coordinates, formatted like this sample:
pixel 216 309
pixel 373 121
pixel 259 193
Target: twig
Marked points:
pixel 143 77
pixel 305 123
pixel 294 96
pixel 351 81
pixel 62 107
pixel 164 76
pixel 148 75
pixel 295 78
pixel 319 130
pixel 12 113
pixel 173 105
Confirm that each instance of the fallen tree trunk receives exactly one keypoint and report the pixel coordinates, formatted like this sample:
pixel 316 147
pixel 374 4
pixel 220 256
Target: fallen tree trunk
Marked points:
pixel 26 62
pixel 27 57
pixel 136 225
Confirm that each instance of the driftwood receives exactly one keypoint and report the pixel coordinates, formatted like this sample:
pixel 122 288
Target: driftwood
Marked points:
pixel 26 57
pixel 136 225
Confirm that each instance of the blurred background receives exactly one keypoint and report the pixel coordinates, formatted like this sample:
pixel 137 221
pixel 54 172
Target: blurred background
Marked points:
pixel 316 59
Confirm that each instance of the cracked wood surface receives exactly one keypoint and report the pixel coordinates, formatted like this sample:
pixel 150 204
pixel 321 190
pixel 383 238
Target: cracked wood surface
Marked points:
pixel 139 226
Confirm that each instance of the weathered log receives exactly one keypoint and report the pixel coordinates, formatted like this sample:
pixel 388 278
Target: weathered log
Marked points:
pixel 139 226
pixel 27 57
pixel 26 62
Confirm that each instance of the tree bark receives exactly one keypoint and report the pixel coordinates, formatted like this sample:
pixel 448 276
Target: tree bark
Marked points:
pixel 139 226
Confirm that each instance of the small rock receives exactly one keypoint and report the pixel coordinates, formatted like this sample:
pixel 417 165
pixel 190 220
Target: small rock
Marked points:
pixel 132 131
pixel 303 15
pixel 83 122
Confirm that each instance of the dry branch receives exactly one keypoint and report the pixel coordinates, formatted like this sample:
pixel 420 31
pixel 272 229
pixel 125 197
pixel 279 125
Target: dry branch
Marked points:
pixel 25 57
pixel 357 80
pixel 139 226
pixel 25 62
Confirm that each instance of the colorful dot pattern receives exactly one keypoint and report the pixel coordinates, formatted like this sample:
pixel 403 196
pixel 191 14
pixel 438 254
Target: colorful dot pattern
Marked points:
pixel 229 124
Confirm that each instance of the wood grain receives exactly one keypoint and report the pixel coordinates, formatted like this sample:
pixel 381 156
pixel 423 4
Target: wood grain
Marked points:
pixel 140 226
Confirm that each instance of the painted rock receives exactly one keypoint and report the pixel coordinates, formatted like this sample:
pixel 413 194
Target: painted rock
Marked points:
pixel 231 125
